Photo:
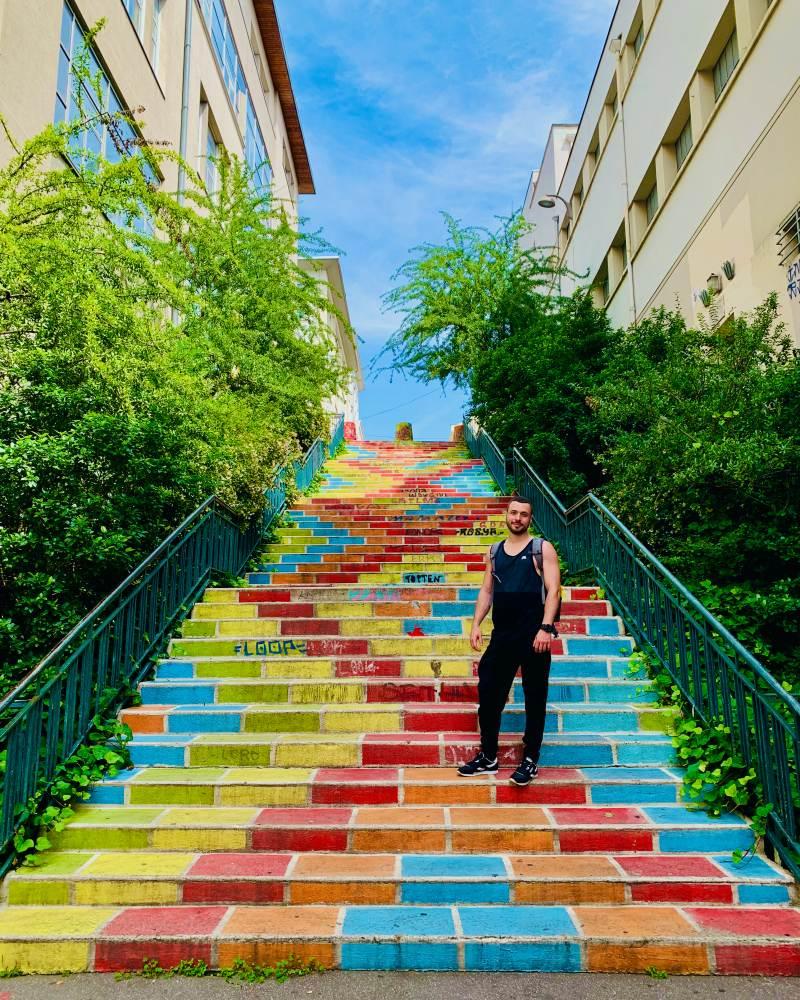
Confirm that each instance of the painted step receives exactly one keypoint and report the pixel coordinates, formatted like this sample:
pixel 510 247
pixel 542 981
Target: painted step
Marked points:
pixel 290 665
pixel 584 597
pixel 414 626
pixel 349 690
pixel 516 828
pixel 356 577
pixel 393 749
pixel 197 715
pixel 738 940
pixel 146 878
pixel 264 786
pixel 355 605
pixel 244 645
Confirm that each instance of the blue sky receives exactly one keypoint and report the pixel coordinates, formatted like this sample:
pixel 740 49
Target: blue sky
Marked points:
pixel 414 107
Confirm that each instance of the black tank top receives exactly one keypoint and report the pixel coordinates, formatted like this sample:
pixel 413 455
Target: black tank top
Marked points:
pixel 517 603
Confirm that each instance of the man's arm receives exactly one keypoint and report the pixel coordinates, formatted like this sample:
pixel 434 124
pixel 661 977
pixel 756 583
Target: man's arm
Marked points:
pixel 482 605
pixel 552 582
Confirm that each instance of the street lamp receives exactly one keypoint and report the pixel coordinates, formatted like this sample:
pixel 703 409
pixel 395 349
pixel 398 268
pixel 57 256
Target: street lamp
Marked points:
pixel 549 201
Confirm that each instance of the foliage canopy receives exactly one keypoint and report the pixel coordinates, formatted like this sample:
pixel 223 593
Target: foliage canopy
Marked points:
pixel 151 352
pixel 689 434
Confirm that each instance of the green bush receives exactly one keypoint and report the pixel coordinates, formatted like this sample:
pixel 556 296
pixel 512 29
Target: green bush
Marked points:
pixel 702 458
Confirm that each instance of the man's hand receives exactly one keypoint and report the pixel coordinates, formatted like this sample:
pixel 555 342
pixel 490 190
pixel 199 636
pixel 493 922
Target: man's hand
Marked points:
pixel 475 638
pixel 541 642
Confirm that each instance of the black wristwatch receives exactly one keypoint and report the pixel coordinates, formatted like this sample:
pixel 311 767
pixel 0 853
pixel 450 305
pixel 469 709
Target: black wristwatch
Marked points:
pixel 550 629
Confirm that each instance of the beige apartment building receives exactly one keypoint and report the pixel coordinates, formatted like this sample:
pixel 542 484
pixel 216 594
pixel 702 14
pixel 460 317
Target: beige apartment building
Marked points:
pixel 680 187
pixel 206 74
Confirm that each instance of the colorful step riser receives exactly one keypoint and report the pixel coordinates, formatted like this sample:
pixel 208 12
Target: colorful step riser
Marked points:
pixel 383 786
pixel 421 668
pixel 126 878
pixel 245 646
pixel 374 691
pixel 357 576
pixel 692 939
pixel 271 626
pixel 657 830
pixel 317 750
pixel 293 667
pixel 202 717
pixel 576 600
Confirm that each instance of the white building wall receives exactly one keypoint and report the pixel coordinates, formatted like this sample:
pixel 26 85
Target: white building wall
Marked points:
pixel 546 181
pixel 735 187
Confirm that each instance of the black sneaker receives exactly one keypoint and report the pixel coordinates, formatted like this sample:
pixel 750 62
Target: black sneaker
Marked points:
pixel 525 772
pixel 480 764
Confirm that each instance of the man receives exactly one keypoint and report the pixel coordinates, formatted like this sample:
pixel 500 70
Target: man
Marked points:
pixel 523 632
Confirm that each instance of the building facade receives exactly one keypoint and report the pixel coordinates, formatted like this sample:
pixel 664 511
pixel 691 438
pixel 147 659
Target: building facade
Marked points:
pixel 681 187
pixel 202 75
pixel 328 272
pixel 544 183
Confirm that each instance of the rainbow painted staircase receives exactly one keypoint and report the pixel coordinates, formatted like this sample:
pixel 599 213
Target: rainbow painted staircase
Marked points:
pixel 295 790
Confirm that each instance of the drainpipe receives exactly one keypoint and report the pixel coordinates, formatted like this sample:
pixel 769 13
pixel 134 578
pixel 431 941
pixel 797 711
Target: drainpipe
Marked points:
pixel 615 46
pixel 187 61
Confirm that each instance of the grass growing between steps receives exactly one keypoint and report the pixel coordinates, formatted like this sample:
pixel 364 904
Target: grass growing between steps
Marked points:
pixel 240 972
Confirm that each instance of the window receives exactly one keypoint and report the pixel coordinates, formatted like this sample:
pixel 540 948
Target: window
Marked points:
pixel 74 101
pixel 212 165
pixel 651 203
pixel 107 133
pixel 155 33
pixel 683 143
pixel 624 249
pixel 725 65
pixel 638 41
pixel 614 104
pixel 135 9
pixel 224 48
pixel 255 151
pixel 605 288
pixel 789 238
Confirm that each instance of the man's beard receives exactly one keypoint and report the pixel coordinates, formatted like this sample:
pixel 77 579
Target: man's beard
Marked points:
pixel 516 531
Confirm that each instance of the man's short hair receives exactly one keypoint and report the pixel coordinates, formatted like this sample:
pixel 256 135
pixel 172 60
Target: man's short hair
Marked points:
pixel 524 500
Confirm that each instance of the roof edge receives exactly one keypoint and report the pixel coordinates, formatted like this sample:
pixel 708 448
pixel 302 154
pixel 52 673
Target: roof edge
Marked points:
pixel 267 19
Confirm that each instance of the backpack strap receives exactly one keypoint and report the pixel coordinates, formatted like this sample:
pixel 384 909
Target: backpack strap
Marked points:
pixel 493 555
pixel 538 560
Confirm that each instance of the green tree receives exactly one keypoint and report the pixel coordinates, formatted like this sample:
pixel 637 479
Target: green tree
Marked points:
pixel 481 311
pixel 454 297
pixel 151 353
pixel 530 389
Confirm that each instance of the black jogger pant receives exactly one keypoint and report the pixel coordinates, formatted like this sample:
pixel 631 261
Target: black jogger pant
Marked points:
pixel 496 671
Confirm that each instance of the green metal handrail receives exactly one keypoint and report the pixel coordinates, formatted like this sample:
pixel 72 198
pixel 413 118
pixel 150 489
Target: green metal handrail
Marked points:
pixel 337 436
pixel 482 446
pixel 49 713
pixel 717 676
